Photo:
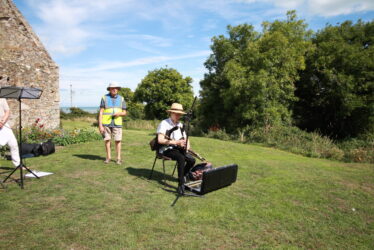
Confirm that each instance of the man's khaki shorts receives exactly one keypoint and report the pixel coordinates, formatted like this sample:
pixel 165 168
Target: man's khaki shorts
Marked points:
pixel 115 132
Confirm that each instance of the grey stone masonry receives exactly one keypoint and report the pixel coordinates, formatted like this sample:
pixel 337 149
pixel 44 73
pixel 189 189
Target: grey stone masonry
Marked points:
pixel 26 62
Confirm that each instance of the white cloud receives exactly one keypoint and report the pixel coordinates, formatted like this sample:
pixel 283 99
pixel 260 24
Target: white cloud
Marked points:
pixel 156 41
pixel 325 8
pixel 90 83
pixel 67 26
pixel 339 7
pixel 65 35
pixel 209 24
pixel 143 61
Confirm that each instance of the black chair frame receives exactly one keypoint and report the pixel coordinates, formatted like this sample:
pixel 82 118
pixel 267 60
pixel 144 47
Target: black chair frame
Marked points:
pixel 163 158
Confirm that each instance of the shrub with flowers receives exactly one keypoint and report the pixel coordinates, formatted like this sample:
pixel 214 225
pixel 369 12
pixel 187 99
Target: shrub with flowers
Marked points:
pixel 37 133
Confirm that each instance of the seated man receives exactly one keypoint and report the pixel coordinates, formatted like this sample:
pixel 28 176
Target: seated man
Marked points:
pixel 171 136
pixel 6 134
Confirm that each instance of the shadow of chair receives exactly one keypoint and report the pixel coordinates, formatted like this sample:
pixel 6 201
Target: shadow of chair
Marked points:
pixel 163 158
pixel 145 172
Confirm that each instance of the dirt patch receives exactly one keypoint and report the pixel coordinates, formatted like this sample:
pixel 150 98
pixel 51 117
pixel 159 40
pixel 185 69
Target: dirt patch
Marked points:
pixel 79 173
pixel 76 246
pixel 366 187
pixel 55 198
pixel 341 204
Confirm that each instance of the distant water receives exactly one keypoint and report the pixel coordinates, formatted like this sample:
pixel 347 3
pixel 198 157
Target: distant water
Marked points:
pixel 87 109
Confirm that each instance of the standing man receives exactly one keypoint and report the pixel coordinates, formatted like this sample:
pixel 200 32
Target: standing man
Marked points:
pixel 6 134
pixel 112 108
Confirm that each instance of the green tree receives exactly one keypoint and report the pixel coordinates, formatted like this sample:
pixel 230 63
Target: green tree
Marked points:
pixel 162 87
pixel 135 109
pixel 127 94
pixel 336 91
pixel 252 75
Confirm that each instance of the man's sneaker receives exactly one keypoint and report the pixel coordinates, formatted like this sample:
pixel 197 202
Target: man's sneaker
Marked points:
pixel 107 161
pixel 119 162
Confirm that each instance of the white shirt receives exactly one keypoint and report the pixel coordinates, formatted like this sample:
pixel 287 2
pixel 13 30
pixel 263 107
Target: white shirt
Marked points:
pixel 177 134
pixel 168 124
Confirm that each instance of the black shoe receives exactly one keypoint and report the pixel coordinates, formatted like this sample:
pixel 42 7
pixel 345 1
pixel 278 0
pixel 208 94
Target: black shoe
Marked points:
pixel 180 189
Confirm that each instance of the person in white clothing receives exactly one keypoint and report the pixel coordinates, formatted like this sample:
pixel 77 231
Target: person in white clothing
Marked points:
pixel 172 137
pixel 6 134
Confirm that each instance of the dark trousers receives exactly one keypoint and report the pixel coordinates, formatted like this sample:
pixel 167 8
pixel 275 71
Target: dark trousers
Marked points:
pixel 185 162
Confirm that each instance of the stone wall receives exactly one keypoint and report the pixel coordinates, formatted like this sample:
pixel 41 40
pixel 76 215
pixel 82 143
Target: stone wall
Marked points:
pixel 26 62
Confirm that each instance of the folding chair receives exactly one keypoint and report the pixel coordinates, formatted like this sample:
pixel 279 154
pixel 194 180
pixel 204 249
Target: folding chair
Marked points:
pixel 163 158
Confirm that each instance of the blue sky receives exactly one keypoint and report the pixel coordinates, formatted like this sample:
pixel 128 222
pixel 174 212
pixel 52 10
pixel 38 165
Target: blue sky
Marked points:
pixel 100 41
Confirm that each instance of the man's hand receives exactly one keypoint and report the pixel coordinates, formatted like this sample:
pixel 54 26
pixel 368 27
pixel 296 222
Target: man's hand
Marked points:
pixel 101 129
pixel 1 124
pixel 181 143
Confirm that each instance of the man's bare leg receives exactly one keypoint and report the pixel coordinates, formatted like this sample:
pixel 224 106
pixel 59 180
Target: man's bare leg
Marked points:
pixel 107 148
pixel 118 150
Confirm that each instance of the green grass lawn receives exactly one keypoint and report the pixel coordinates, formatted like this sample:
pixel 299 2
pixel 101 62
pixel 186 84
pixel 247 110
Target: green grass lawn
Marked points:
pixel 280 200
pixel 78 123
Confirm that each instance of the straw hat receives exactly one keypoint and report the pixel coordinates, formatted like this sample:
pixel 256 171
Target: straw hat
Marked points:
pixel 113 85
pixel 176 108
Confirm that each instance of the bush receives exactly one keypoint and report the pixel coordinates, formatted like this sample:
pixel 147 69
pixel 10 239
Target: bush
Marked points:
pixel 63 114
pixel 219 134
pixel 358 149
pixel 77 136
pixel 295 140
pixel 37 133
pixel 135 110
pixel 75 113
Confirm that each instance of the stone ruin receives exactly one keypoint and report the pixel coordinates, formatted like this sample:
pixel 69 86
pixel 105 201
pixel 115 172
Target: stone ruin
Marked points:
pixel 26 63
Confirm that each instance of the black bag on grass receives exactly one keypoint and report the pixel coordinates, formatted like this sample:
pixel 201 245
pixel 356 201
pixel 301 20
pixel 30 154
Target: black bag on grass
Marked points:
pixel 48 147
pixel 37 149
pixel 31 148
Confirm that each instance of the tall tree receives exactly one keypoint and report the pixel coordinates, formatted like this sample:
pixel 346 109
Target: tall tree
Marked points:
pixel 336 91
pixel 252 75
pixel 135 109
pixel 162 87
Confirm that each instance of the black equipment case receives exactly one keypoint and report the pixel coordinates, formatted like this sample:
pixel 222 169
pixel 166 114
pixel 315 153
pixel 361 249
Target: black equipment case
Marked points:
pixel 214 179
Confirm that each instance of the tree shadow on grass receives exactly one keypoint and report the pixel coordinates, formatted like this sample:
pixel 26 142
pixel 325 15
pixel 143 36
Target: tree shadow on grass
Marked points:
pixel 90 157
pixel 144 173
